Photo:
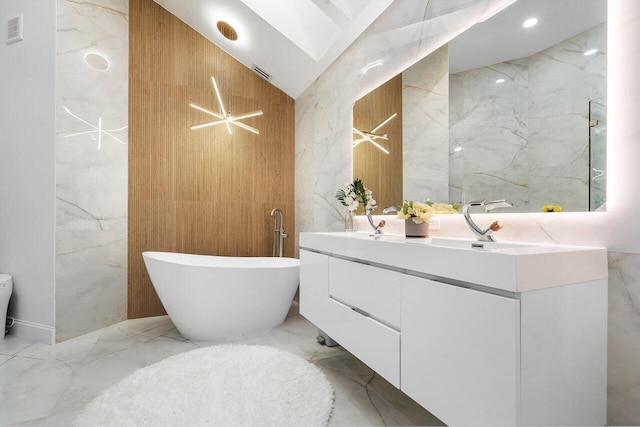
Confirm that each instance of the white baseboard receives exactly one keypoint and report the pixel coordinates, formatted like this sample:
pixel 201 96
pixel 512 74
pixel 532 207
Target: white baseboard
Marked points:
pixel 33 331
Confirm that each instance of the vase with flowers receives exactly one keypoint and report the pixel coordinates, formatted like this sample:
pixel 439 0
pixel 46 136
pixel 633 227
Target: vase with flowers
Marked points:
pixel 417 216
pixel 353 195
pixel 552 208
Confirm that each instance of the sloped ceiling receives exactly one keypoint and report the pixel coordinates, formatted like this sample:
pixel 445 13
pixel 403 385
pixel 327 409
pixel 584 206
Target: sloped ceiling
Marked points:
pixel 292 40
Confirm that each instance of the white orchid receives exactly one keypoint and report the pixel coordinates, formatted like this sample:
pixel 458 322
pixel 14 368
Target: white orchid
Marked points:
pixel 353 194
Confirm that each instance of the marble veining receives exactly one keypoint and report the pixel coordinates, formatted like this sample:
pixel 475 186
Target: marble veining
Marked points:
pixel 562 81
pixel 406 32
pixel 624 339
pixel 66 376
pixel 425 128
pixel 490 125
pixel 526 139
pixel 91 167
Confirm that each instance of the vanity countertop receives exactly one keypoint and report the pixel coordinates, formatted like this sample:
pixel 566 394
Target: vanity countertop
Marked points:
pixel 510 266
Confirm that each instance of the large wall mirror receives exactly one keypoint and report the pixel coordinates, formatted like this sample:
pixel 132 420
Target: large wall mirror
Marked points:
pixel 509 109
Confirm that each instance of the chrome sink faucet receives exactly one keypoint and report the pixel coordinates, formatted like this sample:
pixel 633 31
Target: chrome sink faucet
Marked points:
pixel 378 228
pixel 484 235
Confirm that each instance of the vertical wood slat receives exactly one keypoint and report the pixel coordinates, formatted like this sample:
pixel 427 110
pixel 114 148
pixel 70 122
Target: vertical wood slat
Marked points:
pixel 380 172
pixel 202 191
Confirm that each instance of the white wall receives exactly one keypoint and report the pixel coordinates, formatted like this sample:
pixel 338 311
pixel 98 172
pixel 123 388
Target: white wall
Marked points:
pixel 27 165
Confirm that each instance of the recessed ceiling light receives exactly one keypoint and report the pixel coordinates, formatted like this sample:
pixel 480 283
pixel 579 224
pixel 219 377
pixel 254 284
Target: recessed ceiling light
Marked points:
pixel 227 30
pixel 457 149
pixel 590 52
pixel 530 22
pixel 97 61
pixel 500 81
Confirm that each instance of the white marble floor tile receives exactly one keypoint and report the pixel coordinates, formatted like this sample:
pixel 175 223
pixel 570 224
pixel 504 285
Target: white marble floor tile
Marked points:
pixel 49 385
pixel 31 387
pixel 62 420
pixel 13 345
pixel 364 398
pixel 4 358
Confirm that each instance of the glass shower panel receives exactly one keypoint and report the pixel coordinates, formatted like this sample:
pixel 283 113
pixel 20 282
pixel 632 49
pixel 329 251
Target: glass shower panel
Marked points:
pixel 597 154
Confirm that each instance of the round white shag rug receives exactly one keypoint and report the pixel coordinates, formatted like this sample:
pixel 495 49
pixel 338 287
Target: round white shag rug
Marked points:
pixel 226 385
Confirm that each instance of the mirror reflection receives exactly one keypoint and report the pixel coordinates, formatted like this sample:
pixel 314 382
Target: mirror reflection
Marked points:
pixel 504 111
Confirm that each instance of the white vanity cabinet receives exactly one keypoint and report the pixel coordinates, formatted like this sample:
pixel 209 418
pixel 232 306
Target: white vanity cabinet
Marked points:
pixel 359 320
pixel 469 334
pixel 460 352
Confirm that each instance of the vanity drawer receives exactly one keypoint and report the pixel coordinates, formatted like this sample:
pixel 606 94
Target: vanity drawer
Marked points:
pixel 373 290
pixel 375 344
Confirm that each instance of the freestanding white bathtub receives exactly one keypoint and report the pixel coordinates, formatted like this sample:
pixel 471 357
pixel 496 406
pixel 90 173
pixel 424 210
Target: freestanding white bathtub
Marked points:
pixel 210 297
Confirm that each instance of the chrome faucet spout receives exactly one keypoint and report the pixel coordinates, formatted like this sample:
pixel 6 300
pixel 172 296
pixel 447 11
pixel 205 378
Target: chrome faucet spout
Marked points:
pixel 487 234
pixel 488 206
pixel 377 228
pixel 389 209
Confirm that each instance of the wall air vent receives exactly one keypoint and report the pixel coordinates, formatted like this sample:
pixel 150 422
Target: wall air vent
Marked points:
pixel 262 73
pixel 14 29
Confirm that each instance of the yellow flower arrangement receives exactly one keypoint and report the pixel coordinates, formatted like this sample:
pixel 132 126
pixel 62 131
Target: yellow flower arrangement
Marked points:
pixel 445 208
pixel 552 208
pixel 423 212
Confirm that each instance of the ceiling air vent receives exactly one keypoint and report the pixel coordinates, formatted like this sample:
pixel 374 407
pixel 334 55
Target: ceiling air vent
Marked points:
pixel 14 29
pixel 262 73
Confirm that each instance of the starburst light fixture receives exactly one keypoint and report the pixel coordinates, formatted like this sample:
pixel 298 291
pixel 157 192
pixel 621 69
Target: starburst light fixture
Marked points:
pixel 371 136
pixel 225 117
pixel 97 131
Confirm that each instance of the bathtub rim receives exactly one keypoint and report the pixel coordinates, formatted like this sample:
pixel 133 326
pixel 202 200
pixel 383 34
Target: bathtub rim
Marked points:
pixel 219 261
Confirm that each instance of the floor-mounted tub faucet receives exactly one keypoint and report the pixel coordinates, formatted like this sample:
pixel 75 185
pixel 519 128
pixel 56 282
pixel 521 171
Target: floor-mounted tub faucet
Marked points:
pixel 278 232
pixel 484 235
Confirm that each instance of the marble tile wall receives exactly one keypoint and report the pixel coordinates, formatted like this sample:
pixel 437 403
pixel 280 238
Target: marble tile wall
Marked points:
pixel 91 167
pixel 624 339
pixel 538 116
pixel 407 32
pixel 456 138
pixel 562 80
pixel 491 126
pixel 425 128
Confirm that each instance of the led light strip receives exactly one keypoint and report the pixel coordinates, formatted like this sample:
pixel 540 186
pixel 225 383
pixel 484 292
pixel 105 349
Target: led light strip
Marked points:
pixel 371 136
pixel 97 129
pixel 225 118
pixel 367 138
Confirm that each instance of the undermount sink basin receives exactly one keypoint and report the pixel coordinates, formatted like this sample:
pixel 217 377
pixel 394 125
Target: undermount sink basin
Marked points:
pixel 474 244
pixel 372 236
pixel 386 236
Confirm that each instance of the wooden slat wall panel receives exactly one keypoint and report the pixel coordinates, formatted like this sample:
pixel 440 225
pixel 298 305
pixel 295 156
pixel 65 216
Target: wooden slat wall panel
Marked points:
pixel 202 191
pixel 380 172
